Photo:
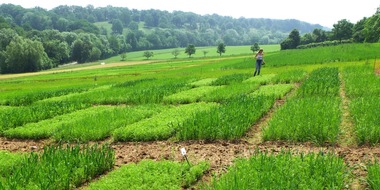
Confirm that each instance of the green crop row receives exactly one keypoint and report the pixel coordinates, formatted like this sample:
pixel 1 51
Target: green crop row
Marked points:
pixel 95 123
pixel 306 119
pixel 203 82
pixel 318 55
pixel 161 126
pixel 227 92
pixel 190 96
pixel 140 92
pixel 366 113
pixel 361 81
pixel 363 90
pixel 28 99
pixel 59 167
pixel 284 171
pixel 321 82
pixel 291 76
pixel 149 174
pixel 229 121
pixel 373 178
pixel 18 116
pixel 262 80
pixel 8 160
pixel 313 115
pixel 230 79
pixel 276 90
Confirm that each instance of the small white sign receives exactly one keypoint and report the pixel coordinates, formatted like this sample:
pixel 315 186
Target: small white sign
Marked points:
pixel 183 151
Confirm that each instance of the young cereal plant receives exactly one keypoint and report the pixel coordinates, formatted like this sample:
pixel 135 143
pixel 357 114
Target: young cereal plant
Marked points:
pixel 190 96
pixel 284 171
pixel 229 121
pixel 276 90
pixel 291 76
pixel 149 174
pixel 306 119
pixel 60 167
pixel 203 82
pixel 373 178
pixel 262 80
pixel 161 126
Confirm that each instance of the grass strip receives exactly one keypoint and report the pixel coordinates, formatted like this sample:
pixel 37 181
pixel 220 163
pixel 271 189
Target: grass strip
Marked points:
pixel 149 174
pixel 284 171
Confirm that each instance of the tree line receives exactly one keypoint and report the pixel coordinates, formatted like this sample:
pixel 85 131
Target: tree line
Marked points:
pixel 367 30
pixel 37 39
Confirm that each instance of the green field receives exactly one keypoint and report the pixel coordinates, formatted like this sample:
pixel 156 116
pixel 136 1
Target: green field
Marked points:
pixel 304 111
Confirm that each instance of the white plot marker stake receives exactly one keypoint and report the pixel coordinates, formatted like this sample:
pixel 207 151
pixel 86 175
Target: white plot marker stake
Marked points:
pixel 183 152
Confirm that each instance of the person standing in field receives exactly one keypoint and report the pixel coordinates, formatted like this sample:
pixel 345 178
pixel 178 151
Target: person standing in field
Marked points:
pixel 259 61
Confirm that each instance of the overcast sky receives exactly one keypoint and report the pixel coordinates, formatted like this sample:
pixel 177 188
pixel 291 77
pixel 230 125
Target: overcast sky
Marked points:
pixel 323 12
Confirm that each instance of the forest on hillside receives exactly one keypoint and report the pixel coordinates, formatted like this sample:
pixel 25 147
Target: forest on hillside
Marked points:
pixel 37 39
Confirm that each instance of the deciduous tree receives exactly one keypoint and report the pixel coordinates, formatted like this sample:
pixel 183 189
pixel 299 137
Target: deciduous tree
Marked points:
pixel 175 52
pixel 24 55
pixel 148 54
pixel 190 50
pixel 221 49
pixel 343 30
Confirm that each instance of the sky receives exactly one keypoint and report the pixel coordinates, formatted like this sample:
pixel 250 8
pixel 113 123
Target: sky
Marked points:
pixel 323 12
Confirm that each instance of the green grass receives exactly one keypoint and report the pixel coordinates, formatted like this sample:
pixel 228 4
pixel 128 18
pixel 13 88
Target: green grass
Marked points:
pixel 308 119
pixel 363 90
pixel 18 116
pixel 276 90
pixel 284 171
pixel 92 124
pixel 59 167
pixel 149 174
pixel 229 121
pixel 313 114
pixel 324 55
pixel 189 96
pixel 161 126
pixel 373 178
pixel 9 160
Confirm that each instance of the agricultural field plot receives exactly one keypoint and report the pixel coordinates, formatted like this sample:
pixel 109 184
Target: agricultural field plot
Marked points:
pixel 127 127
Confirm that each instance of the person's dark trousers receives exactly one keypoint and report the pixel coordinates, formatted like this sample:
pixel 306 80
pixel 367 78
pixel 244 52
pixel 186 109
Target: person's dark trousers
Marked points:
pixel 258 67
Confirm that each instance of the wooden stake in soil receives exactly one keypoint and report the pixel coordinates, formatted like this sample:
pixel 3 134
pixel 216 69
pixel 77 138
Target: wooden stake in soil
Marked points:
pixel 183 152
